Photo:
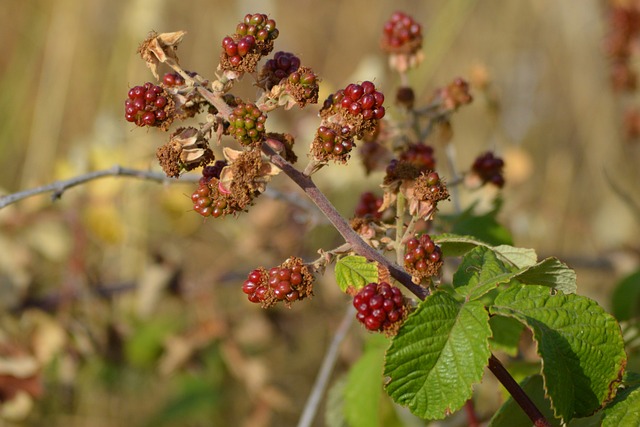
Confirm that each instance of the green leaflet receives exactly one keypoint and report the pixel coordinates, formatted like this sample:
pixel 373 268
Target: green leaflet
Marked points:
pixel 437 356
pixel 482 270
pixel 355 271
pixel 624 410
pixel 580 345
pixel 363 389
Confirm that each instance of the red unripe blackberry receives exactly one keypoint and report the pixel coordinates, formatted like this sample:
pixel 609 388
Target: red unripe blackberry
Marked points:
pixel 172 79
pixel 360 99
pixel 368 206
pixel 489 168
pixel 288 282
pixel 380 307
pixel 423 258
pixel 401 34
pixel 147 105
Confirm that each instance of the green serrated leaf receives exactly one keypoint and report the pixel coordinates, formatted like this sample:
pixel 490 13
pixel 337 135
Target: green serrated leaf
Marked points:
pixel 519 257
pixel 355 271
pixel 364 388
pixel 550 272
pixel 506 334
pixel 624 410
pixel 580 344
pixel 625 300
pixel 480 272
pixel 511 414
pixel 453 245
pixel 439 353
pixel 456 245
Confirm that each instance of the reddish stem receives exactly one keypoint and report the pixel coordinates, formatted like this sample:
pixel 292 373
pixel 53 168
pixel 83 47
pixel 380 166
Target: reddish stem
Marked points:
pixel 517 393
pixel 360 247
pixel 472 418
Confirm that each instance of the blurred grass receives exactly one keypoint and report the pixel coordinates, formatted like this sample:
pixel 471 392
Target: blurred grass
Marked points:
pixel 66 68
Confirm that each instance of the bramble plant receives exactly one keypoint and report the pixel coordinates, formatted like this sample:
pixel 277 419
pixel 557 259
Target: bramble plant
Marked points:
pixel 442 293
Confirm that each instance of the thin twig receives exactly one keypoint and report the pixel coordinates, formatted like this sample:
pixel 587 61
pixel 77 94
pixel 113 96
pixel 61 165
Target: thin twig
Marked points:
pixel 59 187
pixel 313 401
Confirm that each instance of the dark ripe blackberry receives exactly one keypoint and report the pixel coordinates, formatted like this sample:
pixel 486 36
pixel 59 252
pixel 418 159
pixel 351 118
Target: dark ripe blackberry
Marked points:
pixel 380 307
pixel 213 171
pixel 401 34
pixel 423 258
pixel 368 206
pixel 419 155
pixel 280 67
pixel 148 105
pixel 489 168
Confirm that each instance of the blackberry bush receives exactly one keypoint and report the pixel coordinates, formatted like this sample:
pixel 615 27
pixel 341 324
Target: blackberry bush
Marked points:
pixel 445 341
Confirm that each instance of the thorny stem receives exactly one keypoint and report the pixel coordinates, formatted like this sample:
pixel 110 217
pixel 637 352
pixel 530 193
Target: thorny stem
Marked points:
pixel 340 224
pixel 313 401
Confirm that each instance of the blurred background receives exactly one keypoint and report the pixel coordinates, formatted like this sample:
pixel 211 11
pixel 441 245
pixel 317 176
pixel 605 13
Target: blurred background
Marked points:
pixel 120 306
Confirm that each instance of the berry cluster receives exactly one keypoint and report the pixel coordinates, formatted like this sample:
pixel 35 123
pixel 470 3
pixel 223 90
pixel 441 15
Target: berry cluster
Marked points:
pixel 288 282
pixel 428 187
pixel 281 66
pixel 624 27
pixel 148 105
pixel 455 95
pixel 381 307
pixel 252 40
pixel 368 206
pixel 237 50
pixel 401 34
pixel 361 99
pixel 335 144
pixel 246 124
pixel 423 258
pixel 489 169
pixel 205 202
pixel 419 155
pixel 303 86
pixel 259 26
pixel 172 79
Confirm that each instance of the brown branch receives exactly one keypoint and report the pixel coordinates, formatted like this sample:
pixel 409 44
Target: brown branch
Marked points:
pixel 517 392
pixel 340 224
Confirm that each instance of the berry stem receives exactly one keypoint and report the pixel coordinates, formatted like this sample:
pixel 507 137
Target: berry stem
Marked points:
pixel 521 398
pixel 400 206
pixel 340 224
